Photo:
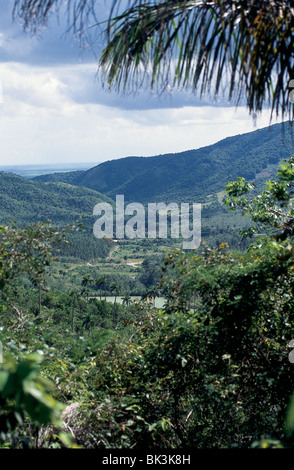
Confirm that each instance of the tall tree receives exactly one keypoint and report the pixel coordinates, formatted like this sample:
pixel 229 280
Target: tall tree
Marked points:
pixel 241 47
pixel 115 288
pixel 87 282
pixel 127 299
pixel 100 283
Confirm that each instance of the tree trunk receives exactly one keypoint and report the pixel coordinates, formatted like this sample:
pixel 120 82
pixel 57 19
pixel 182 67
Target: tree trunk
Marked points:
pixel 73 314
pixel 39 298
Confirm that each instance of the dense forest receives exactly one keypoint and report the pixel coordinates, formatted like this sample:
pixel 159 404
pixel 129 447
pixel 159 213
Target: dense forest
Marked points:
pixel 25 201
pixel 88 359
pixel 209 369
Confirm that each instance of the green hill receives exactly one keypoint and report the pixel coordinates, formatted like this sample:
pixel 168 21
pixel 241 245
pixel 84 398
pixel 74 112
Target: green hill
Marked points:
pixel 196 176
pixel 27 201
pixel 186 176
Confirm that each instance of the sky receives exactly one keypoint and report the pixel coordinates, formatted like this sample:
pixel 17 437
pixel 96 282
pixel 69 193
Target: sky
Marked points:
pixel 53 108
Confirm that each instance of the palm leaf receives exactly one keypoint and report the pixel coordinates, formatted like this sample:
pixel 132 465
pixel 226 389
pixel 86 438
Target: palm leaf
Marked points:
pixel 204 45
pixel 237 47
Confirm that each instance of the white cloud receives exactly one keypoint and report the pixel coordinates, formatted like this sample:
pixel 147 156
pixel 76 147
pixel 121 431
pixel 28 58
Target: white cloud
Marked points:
pixel 30 90
pixel 45 118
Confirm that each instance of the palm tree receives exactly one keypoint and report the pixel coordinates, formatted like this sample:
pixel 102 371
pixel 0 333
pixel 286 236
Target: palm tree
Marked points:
pixel 100 283
pixel 106 287
pixel 204 45
pixel 38 282
pixel 115 288
pixel 73 295
pixel 201 45
pixel 87 282
pixel 127 299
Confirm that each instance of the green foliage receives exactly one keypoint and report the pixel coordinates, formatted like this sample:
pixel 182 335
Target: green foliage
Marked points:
pixel 245 320
pixel 151 274
pixel 28 250
pixel 24 392
pixel 216 374
pixel 28 202
pixel 209 370
pixel 273 208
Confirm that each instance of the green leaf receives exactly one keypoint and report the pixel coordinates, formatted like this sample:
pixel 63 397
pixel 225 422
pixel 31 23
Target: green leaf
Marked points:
pixel 4 375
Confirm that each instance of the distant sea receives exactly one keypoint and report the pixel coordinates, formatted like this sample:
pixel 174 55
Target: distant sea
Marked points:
pixel 30 171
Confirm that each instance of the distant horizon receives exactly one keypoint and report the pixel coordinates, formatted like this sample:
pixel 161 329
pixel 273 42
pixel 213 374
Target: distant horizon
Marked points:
pixel 54 107
pixel 31 170
pixel 48 165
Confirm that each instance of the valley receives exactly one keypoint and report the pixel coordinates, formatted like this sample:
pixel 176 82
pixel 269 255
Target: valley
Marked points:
pixel 197 176
pixel 146 288
pixel 149 343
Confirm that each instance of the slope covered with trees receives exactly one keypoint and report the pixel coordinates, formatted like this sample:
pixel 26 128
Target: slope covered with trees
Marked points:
pixel 186 176
pixel 211 369
pixel 25 201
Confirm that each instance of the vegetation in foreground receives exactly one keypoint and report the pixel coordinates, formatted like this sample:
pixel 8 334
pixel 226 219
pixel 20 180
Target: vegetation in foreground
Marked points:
pixel 210 370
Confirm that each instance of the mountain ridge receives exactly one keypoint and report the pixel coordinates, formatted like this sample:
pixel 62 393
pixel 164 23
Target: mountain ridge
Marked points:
pixel 188 174
pixel 197 176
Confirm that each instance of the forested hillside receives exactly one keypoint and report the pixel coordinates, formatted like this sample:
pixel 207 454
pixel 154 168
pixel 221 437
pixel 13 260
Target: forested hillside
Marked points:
pixel 212 365
pixel 186 176
pixel 210 369
pixel 26 201
pixel 193 176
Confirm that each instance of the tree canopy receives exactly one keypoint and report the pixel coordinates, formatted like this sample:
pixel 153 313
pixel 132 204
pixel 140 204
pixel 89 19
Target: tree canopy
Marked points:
pixel 243 48
pixel 210 369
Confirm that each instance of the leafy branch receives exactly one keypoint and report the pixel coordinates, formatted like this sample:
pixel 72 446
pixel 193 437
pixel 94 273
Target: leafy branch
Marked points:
pixel 273 209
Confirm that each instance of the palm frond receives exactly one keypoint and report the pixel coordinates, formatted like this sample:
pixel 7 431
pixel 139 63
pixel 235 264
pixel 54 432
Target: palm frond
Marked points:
pixel 36 13
pixel 246 46
pixel 240 47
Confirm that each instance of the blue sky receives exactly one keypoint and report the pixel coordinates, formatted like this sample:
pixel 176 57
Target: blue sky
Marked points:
pixel 53 108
